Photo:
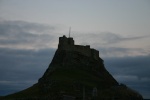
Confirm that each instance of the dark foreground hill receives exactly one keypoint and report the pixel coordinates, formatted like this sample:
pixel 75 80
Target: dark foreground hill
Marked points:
pixel 76 73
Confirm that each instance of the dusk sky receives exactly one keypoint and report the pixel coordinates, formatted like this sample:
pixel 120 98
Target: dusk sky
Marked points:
pixel 30 29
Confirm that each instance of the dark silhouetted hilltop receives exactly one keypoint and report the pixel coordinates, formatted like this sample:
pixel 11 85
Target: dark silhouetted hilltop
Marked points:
pixel 76 73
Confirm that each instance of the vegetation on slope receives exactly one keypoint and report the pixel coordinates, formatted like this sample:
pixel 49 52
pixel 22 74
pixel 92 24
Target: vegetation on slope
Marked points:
pixel 72 82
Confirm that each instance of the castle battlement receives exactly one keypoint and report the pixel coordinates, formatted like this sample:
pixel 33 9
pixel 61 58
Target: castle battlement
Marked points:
pixel 68 44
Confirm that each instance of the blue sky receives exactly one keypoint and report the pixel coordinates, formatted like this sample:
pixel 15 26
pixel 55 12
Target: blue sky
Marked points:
pixel 29 32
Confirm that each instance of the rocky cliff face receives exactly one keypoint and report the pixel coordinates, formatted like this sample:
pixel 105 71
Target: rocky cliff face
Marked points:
pixel 75 75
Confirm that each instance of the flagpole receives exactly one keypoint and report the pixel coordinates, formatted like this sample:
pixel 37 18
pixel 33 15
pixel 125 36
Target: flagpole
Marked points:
pixel 69 31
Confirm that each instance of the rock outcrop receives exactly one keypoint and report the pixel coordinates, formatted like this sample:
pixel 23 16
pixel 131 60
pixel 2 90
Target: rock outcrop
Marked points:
pixel 76 73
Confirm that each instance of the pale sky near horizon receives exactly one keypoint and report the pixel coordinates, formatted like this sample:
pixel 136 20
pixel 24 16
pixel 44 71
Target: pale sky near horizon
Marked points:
pixel 117 28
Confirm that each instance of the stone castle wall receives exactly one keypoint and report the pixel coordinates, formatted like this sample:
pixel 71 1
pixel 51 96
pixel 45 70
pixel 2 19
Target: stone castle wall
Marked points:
pixel 68 44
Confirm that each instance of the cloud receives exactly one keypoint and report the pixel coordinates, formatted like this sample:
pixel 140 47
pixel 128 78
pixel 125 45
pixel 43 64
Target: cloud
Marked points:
pixel 27 35
pixel 20 69
pixel 137 65
pixel 17 61
pixel 132 71
pixel 121 51
pixel 14 34
pixel 111 38
pixel 112 44
pixel 105 38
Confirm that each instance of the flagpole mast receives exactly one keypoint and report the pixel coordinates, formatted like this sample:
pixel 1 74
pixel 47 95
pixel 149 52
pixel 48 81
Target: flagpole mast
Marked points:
pixel 69 31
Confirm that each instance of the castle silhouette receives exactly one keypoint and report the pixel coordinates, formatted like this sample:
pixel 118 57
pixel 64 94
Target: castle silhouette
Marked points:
pixel 68 44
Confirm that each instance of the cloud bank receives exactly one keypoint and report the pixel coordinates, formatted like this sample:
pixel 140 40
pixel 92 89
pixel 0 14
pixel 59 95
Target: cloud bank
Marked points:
pixel 133 71
pixel 25 35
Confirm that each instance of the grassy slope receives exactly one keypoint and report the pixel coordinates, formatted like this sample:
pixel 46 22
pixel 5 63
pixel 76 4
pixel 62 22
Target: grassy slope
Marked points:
pixel 66 77
pixel 31 91
pixel 80 76
pixel 65 80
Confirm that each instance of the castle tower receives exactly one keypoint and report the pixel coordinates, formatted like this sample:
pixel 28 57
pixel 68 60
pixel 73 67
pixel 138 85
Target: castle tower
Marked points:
pixel 65 42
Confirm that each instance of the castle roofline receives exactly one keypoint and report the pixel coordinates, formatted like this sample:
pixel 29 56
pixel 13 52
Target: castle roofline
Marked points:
pixel 68 44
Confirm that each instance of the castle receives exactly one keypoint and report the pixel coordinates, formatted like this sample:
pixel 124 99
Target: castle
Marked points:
pixel 68 44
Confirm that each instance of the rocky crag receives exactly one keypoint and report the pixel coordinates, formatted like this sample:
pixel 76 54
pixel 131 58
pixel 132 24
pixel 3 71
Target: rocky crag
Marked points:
pixel 76 73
